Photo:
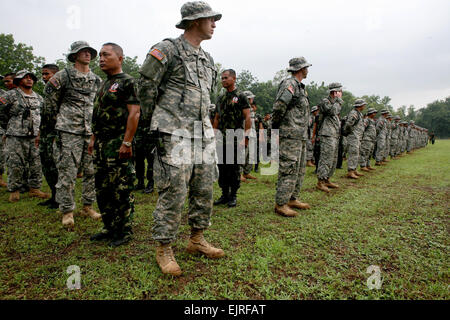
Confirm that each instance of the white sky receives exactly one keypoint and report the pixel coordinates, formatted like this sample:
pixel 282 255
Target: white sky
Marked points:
pixel 396 48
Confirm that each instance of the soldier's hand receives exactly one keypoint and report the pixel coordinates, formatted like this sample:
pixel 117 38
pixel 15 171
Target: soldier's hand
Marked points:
pixel 36 141
pixel 91 146
pixel 125 152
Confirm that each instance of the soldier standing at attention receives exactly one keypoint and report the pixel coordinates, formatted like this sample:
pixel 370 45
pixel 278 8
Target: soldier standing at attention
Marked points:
pixel 47 135
pixel 247 168
pixel 2 154
pixel 232 111
pixel 312 134
pixel 20 117
pixel 177 78
pixel 114 122
pixel 368 140
pixel 70 95
pixel 381 128
pixel 329 132
pixel 291 116
pixel 354 127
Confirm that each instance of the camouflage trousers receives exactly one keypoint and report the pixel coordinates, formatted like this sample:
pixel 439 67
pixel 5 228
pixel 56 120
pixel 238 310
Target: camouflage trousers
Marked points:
pixel 365 152
pixel 177 180
pixel 394 146
pixel 143 151
pixel 328 157
pixel 2 155
pixel 354 146
pixel 47 160
pixel 381 147
pixel 292 169
pixel 114 182
pixel 70 153
pixel 22 156
pixel 387 148
pixel 408 144
pixel 248 166
pixel 309 150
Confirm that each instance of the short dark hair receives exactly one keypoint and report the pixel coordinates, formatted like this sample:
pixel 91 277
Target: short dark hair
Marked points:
pixel 10 74
pixel 53 67
pixel 230 71
pixel 116 48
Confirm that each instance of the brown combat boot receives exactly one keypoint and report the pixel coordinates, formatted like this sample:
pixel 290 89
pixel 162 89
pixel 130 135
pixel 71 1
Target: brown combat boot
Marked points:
pixel 285 211
pixel 365 169
pixel 250 177
pixel 330 184
pixel 3 184
pixel 309 163
pixel 358 174
pixel 88 211
pixel 166 260
pixel 198 244
pixel 378 163
pixel 351 175
pixel 14 196
pixel 298 205
pixel 243 179
pixel 67 221
pixel 321 185
pixel 36 193
pixel 370 168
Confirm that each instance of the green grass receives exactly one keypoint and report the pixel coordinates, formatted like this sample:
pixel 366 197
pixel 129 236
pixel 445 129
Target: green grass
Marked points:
pixel 396 218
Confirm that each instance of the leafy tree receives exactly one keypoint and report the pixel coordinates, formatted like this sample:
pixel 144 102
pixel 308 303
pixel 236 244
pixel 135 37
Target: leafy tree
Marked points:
pixel 436 117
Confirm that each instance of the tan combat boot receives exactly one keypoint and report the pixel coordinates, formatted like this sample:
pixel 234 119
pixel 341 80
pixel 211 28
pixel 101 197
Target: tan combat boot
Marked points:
pixel 36 193
pixel 298 205
pixel 365 169
pixel 285 211
pixel 351 175
pixel 14 196
pixel 330 184
pixel 378 163
pixel 370 168
pixel 2 182
pixel 166 260
pixel 310 164
pixel 358 174
pixel 67 220
pixel 321 185
pixel 243 179
pixel 198 244
pixel 88 211
pixel 250 177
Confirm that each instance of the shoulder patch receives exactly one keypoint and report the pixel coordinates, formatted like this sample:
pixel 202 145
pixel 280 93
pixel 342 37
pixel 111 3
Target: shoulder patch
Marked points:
pixel 291 89
pixel 235 100
pixel 157 54
pixel 55 83
pixel 2 100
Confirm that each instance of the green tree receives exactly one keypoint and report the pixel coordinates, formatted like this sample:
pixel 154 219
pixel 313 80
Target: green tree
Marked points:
pixel 436 118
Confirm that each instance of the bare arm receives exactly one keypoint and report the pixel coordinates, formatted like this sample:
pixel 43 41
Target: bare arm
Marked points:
pixel 132 124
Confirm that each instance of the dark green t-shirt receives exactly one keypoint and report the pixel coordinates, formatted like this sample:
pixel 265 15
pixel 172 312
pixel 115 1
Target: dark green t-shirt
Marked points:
pixel 229 107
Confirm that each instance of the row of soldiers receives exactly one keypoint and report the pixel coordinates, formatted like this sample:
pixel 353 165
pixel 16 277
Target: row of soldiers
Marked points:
pixel 89 127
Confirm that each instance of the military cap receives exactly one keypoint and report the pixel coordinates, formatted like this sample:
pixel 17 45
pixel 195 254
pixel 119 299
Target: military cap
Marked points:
pixel 314 109
pixel 191 11
pixel 299 63
pixel 372 110
pixel 411 121
pixel 384 111
pixel 335 86
pixel 389 115
pixel 77 46
pixel 21 74
pixel 397 118
pixel 359 103
pixel 249 94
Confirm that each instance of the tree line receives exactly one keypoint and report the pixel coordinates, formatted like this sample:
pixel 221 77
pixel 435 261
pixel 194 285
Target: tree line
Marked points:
pixel 435 116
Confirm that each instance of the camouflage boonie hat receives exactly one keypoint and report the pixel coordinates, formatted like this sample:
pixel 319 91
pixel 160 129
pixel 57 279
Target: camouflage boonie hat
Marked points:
pixel 314 109
pixel 249 94
pixel 335 86
pixel 21 74
pixel 397 118
pixel 77 46
pixel 384 111
pixel 299 63
pixel 359 103
pixel 191 11
pixel 411 121
pixel 371 110
pixel 389 116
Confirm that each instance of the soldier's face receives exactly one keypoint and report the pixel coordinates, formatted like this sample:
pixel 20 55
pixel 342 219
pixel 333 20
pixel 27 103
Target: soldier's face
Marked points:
pixel 27 81
pixel 372 115
pixel 109 60
pixel 227 80
pixel 206 28
pixel 47 74
pixel 8 82
pixel 305 73
pixel 84 56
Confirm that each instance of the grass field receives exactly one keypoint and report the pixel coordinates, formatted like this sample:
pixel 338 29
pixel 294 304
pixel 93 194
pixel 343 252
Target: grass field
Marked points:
pixel 396 218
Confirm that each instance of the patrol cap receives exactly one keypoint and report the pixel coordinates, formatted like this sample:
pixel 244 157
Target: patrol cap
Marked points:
pixel 21 74
pixel 384 111
pixel 359 103
pixel 299 63
pixel 191 11
pixel 371 110
pixel 249 94
pixel 314 109
pixel 335 86
pixel 77 46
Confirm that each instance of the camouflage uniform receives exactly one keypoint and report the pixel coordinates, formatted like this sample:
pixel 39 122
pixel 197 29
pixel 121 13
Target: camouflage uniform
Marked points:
pixel 114 177
pixel 355 123
pixel 367 142
pixel 2 144
pixel 291 115
pixel 144 146
pixel 267 126
pixel 388 137
pixel 309 142
pixel 395 131
pixel 329 133
pixel 69 98
pixel 230 106
pixel 381 128
pixel 20 115
pixel 175 87
pixel 247 168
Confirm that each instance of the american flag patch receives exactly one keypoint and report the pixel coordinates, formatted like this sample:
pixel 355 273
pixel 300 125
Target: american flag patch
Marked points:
pixel 3 101
pixel 55 83
pixel 235 100
pixel 157 54
pixel 291 89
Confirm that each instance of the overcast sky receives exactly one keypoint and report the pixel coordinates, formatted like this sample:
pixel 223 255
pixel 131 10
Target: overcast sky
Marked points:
pixel 399 49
